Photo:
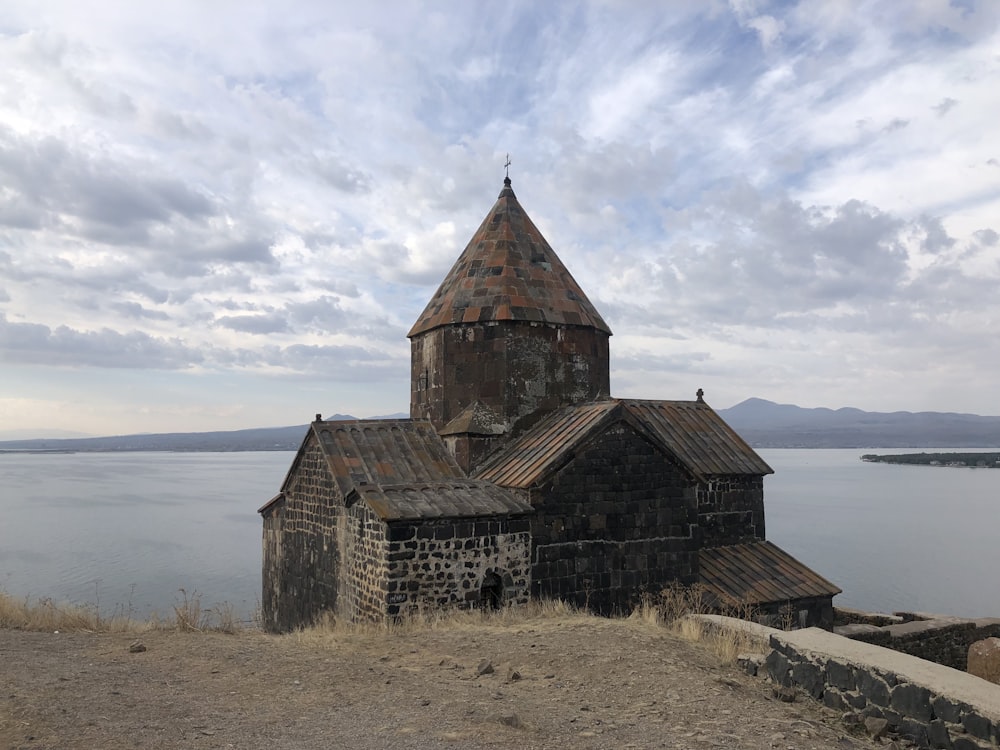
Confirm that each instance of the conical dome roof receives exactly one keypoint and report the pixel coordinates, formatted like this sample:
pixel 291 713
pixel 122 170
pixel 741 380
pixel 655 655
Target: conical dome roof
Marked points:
pixel 508 272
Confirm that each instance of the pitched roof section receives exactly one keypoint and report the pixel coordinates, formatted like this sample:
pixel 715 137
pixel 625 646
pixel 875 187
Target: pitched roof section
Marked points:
pixel 548 445
pixel 758 573
pixel 508 272
pixel 690 431
pixel 699 437
pixel 404 471
pixel 468 498
pixel 385 451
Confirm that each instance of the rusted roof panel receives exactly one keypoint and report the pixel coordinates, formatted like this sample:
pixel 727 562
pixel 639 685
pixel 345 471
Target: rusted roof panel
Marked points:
pixel 266 507
pixel 690 431
pixel 457 499
pixel 508 271
pixel 525 461
pixel 759 573
pixel 403 470
pixel 385 451
pixel 698 436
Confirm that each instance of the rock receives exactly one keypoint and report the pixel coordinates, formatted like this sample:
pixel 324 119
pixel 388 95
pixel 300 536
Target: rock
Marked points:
pixel 485 667
pixel 984 659
pixel 511 720
pixel 876 727
pixel 513 675
pixel 782 693
pixel 750 663
pixel 136 647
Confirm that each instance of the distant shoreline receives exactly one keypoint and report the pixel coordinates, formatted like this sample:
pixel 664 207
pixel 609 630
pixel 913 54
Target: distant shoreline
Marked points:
pixel 948 460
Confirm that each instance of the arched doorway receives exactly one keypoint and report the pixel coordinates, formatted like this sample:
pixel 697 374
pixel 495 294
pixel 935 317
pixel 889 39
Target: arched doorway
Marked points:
pixel 491 592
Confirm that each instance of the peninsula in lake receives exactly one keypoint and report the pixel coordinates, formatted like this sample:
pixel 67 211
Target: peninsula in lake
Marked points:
pixel 961 460
pixel 763 424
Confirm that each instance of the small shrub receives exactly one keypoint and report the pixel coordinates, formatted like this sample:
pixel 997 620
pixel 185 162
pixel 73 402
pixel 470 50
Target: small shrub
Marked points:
pixel 188 614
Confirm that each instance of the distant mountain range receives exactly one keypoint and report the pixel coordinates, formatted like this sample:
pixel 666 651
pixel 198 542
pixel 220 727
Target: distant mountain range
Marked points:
pixel 763 424
pixel 257 439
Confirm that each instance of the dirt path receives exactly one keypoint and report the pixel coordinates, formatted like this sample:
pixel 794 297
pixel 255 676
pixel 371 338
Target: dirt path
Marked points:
pixel 580 682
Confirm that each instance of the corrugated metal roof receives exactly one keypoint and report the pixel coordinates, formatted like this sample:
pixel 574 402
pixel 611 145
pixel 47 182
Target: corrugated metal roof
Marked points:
pixel 465 499
pixel 508 271
pixel 546 446
pixel 385 451
pixel 403 470
pixel 759 573
pixel 698 436
pixel 690 431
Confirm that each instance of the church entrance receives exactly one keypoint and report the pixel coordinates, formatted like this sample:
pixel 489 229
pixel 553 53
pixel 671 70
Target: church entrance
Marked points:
pixel 491 593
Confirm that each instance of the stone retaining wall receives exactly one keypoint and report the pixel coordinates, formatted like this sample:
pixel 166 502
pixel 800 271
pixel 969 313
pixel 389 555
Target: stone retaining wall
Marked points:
pixel 943 640
pixel 931 705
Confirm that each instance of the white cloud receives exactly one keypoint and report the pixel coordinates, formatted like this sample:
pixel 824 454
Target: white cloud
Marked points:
pixel 765 199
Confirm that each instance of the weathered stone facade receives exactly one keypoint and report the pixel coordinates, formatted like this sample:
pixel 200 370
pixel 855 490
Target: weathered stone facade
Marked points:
pixel 479 563
pixel 517 474
pixel 327 551
pixel 731 510
pixel 519 370
pixel 617 521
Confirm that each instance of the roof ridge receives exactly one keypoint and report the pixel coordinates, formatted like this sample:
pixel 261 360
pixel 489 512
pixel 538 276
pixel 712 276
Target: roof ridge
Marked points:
pixel 508 272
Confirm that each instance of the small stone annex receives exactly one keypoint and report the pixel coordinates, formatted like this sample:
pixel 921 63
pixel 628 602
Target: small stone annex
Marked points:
pixel 518 475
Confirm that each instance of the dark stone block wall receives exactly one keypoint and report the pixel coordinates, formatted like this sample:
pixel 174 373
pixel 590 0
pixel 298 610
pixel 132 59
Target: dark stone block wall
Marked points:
pixel 447 563
pixel 363 541
pixel 731 510
pixel 617 521
pixel 301 558
pixel 321 556
pixel 521 370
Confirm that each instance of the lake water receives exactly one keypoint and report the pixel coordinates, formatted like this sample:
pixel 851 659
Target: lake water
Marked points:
pixel 130 530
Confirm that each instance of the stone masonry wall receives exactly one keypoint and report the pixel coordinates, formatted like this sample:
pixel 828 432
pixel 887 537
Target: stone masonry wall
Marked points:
pixel 520 370
pixel 301 559
pixel 945 640
pixel 617 521
pixel 445 563
pixel 927 704
pixel 363 543
pixel 731 510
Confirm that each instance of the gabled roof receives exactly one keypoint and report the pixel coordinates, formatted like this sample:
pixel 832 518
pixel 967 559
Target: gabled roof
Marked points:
pixel 455 499
pixel 699 437
pixel 508 272
pixel 689 431
pixel 385 451
pixel 402 469
pixel 548 445
pixel 758 573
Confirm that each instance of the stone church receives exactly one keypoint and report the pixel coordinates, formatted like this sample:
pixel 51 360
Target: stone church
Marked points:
pixel 517 474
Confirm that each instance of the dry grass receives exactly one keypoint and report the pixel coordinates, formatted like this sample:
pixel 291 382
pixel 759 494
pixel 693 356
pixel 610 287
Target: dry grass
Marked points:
pixel 329 628
pixel 671 607
pixel 47 615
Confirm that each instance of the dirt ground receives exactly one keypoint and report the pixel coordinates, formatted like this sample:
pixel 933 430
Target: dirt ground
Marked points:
pixel 557 682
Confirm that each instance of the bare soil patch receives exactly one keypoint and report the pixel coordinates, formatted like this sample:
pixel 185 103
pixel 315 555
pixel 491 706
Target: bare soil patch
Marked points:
pixel 569 681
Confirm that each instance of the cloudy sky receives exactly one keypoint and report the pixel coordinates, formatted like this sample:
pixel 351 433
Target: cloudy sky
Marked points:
pixel 228 214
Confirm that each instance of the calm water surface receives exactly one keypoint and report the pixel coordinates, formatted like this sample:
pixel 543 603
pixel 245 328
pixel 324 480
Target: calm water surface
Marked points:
pixel 132 529
pixel 892 537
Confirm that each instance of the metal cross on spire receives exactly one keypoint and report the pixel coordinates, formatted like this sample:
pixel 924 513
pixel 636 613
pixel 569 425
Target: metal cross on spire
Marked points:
pixel 506 168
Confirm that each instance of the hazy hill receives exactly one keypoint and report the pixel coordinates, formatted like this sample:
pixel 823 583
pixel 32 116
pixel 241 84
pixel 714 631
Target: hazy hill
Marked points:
pixel 765 424
pixel 258 439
